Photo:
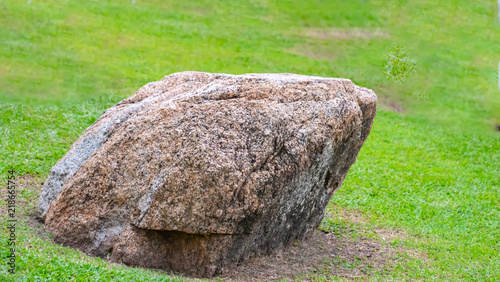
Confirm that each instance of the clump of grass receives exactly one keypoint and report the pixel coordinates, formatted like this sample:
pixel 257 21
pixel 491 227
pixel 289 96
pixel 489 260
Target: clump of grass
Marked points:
pixel 398 65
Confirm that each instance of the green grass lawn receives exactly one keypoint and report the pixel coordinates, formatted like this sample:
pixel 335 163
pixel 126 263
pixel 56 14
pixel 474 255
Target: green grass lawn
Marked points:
pixel 431 170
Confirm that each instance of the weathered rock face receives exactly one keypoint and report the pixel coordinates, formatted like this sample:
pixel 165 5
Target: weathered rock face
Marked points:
pixel 199 170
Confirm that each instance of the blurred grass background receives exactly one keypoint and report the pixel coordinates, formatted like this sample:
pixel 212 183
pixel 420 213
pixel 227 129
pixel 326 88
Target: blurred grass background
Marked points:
pixel 431 165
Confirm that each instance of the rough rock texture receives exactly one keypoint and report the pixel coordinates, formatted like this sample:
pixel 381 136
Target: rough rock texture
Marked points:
pixel 198 170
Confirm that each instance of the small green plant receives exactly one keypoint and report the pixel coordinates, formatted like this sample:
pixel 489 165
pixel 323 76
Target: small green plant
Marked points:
pixel 398 65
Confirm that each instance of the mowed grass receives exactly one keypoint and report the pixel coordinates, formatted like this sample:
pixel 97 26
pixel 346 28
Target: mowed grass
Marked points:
pixel 432 171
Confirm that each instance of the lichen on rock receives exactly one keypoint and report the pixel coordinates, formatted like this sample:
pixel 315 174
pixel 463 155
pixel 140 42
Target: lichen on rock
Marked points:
pixel 199 170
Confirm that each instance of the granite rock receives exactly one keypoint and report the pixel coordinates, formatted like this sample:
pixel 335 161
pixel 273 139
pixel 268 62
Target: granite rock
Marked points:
pixel 198 171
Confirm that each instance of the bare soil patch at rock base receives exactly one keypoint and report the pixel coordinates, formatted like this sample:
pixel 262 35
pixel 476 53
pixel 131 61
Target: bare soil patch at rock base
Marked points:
pixel 349 253
pixel 325 253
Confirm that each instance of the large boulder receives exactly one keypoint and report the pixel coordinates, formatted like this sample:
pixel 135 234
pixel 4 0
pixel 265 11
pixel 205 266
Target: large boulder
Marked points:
pixel 199 170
